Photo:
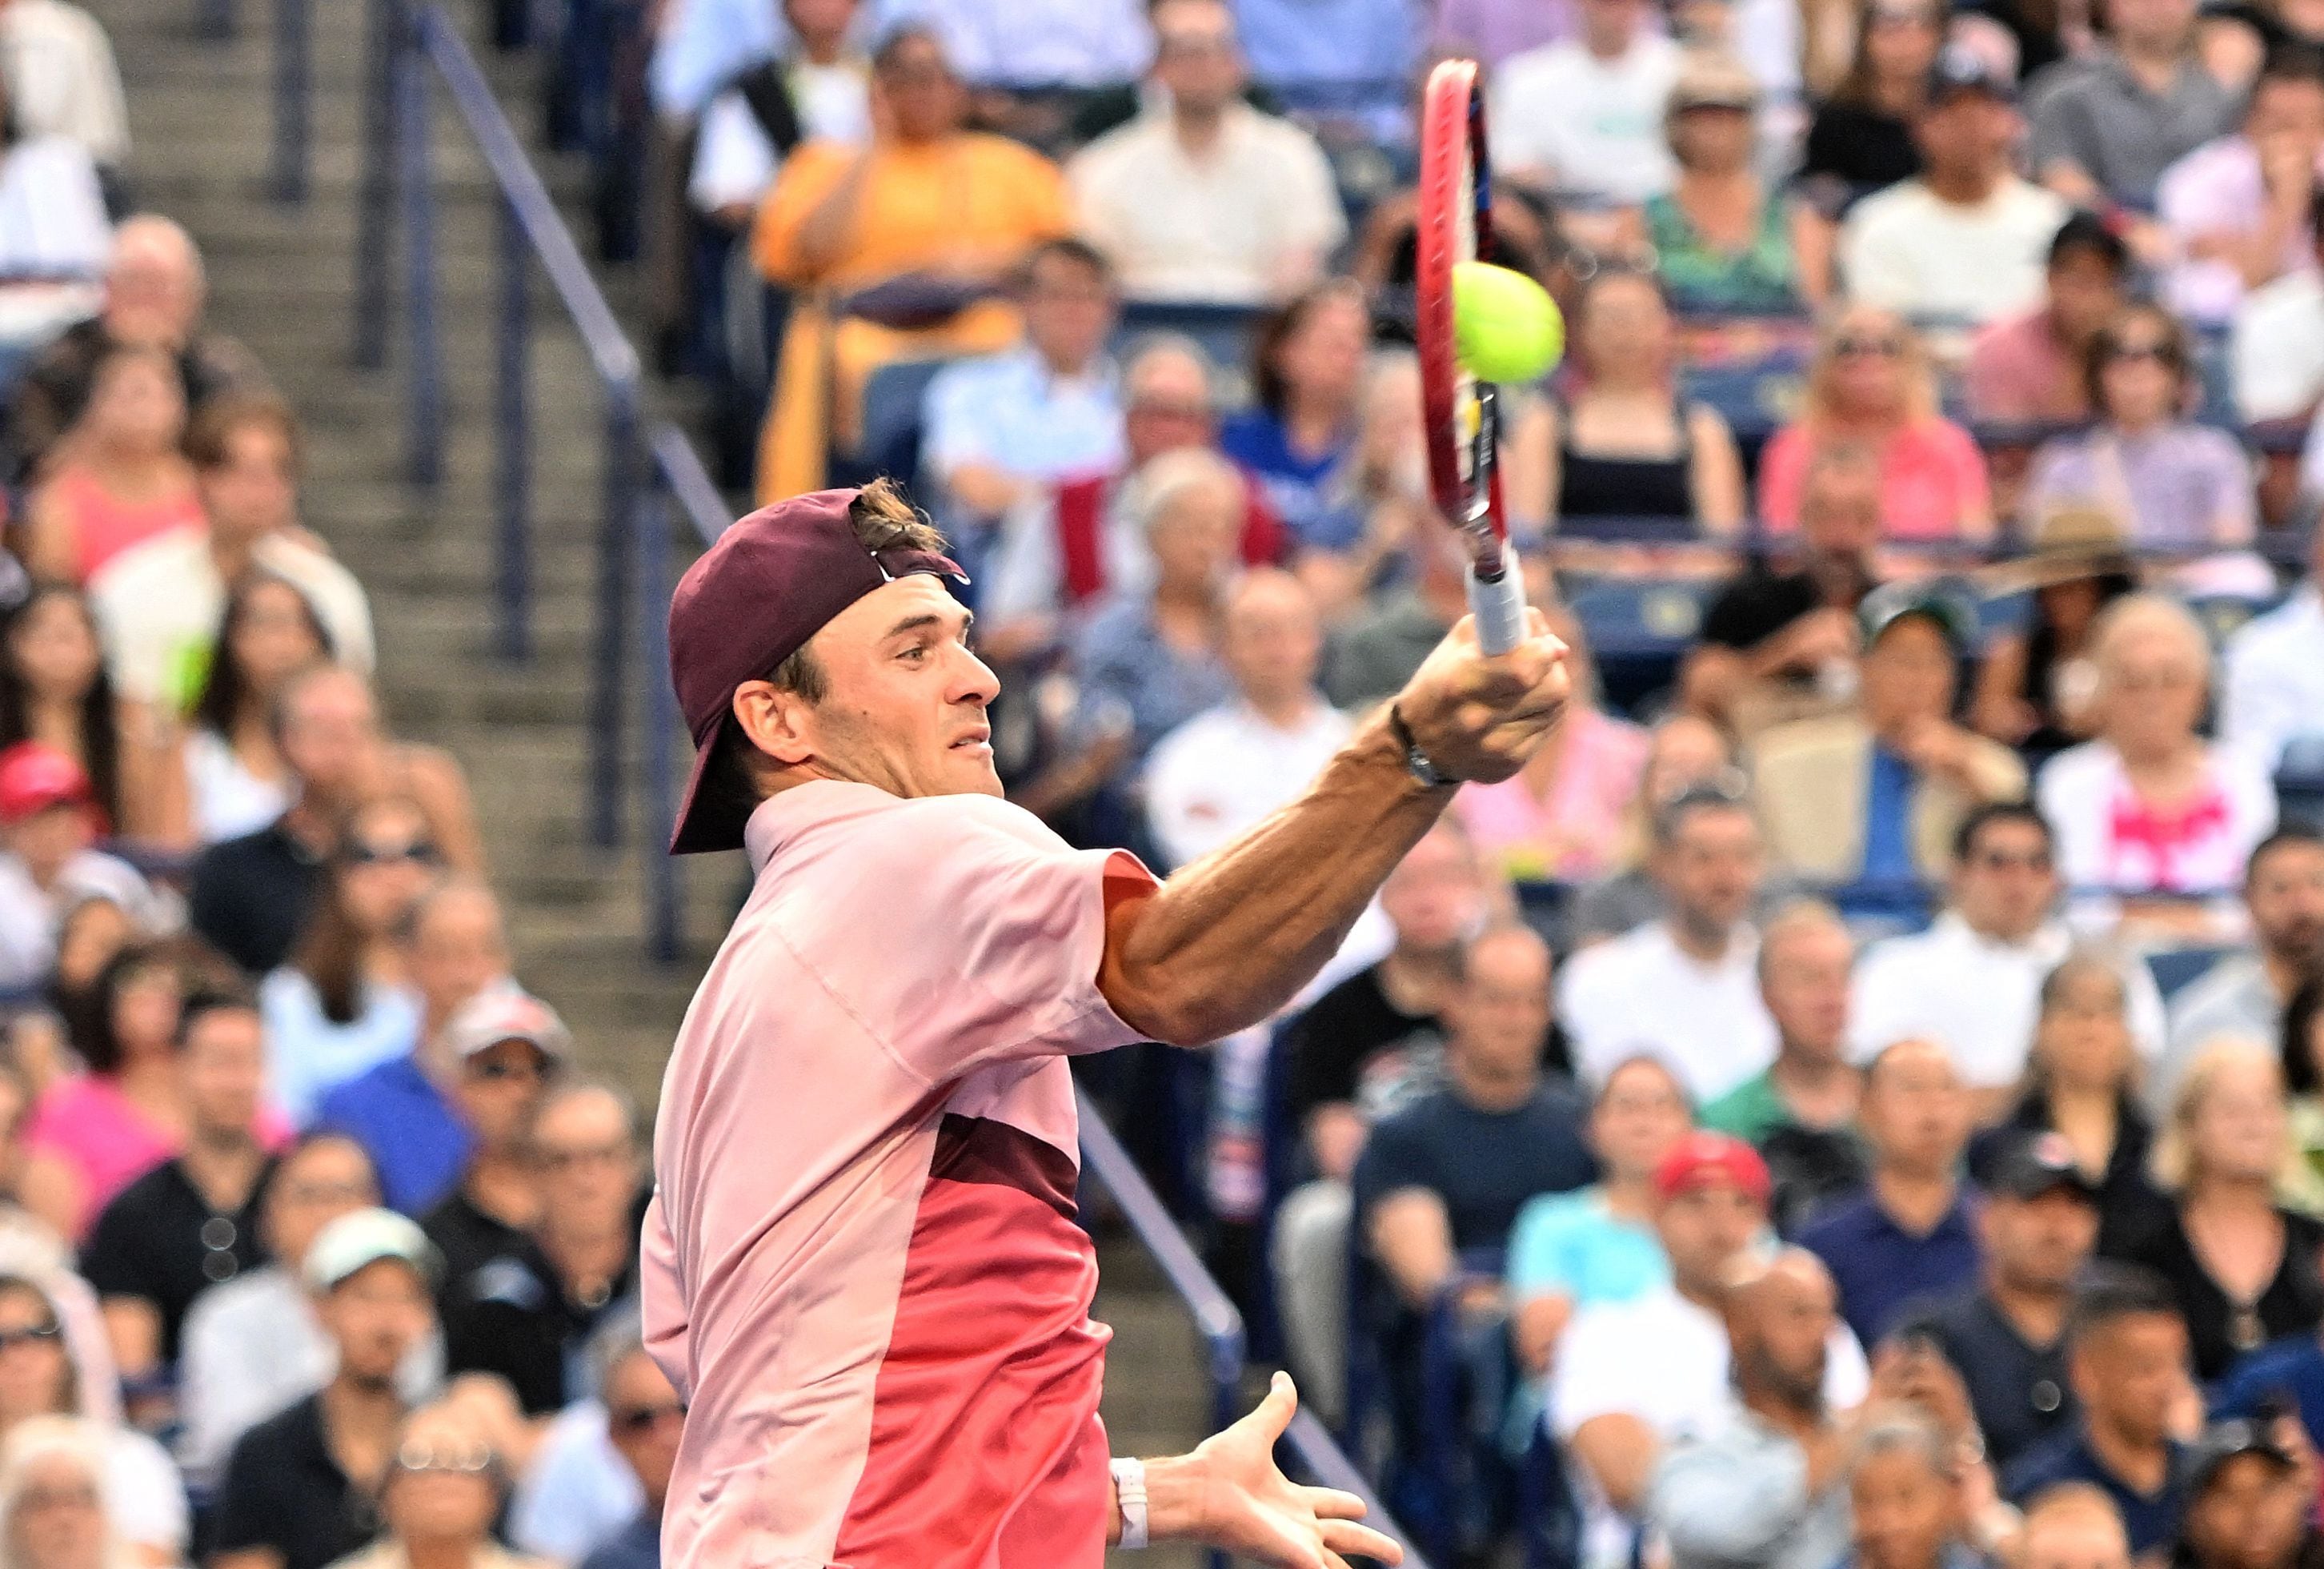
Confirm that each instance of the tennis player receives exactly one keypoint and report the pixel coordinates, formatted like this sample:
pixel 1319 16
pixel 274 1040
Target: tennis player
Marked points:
pixel 862 1263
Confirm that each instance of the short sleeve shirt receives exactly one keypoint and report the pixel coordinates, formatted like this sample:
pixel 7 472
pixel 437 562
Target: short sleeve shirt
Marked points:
pixel 862 1262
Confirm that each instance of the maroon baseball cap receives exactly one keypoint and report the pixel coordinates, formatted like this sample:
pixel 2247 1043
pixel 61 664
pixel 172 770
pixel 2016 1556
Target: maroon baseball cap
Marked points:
pixel 752 601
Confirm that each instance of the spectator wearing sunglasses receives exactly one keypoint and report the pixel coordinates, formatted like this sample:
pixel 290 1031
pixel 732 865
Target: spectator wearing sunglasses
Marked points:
pixel 192 1222
pixel 2178 484
pixel 443 1490
pixel 345 1002
pixel 645 1416
pixel 402 1111
pixel 511 1048
pixel 305 1487
pixel 597 1479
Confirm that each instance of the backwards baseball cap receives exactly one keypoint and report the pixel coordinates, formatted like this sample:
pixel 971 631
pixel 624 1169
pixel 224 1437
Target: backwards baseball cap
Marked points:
pixel 2039 1164
pixel 752 600
pixel 362 1238
pixel 1962 69
pixel 1702 1159
pixel 2231 1440
pixel 35 776
pixel 1891 603
pixel 507 1012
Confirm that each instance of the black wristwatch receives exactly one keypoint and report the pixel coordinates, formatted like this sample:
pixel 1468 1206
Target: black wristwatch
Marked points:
pixel 1423 767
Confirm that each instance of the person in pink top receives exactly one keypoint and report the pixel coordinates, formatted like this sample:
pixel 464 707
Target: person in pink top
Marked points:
pixel 118 477
pixel 1871 386
pixel 862 1266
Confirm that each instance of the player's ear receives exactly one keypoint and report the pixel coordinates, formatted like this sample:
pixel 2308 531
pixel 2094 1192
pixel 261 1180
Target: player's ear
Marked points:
pixel 778 722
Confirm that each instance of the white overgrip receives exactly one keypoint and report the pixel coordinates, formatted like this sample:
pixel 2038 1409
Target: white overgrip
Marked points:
pixel 1500 606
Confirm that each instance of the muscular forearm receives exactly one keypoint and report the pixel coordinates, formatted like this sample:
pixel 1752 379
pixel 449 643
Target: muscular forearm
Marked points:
pixel 1232 938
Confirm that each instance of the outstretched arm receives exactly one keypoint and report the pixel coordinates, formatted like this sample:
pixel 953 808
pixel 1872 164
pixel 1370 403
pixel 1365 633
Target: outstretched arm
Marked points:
pixel 1232 938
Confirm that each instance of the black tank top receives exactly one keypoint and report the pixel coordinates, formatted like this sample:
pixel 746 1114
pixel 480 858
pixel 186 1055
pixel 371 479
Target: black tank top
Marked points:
pixel 1593 486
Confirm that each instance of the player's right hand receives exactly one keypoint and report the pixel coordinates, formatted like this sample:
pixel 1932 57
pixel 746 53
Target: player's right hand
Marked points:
pixel 1480 718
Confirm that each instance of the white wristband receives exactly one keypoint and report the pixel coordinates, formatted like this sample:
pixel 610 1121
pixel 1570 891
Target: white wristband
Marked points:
pixel 1130 1493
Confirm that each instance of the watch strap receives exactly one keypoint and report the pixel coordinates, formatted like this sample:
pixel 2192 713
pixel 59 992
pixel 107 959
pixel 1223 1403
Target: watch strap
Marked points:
pixel 1130 1493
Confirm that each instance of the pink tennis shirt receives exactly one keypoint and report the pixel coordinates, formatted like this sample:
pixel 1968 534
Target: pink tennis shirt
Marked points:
pixel 862 1262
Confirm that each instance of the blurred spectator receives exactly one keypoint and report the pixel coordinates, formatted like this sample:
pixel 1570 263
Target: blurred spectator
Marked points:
pixel 47 863
pixel 2029 368
pixel 41 1380
pixel 192 1222
pixel 2081 1083
pixel 443 1488
pixel 525 1313
pixel 1571 1251
pixel 2273 692
pixel 1307 373
pixel 160 604
pixel 1722 241
pixel 842 221
pixel 644 1415
pixel 2275 347
pixel 1964 239
pixel 54 689
pixel 1374 655
pixel 344 1002
pixel 1623 443
pixel 61 78
pixel 2127 1356
pixel 2073 1525
pixel 1684 987
pixel 2108 124
pixel 1911 1231
pixel 1033 44
pixel 1218 774
pixel 55 236
pixel 268 636
pixel 2149 805
pixel 475 1070
pixel 1490 32
pixel 511 1050
pixel 90 936
pixel 303 1489
pixel 574 1491
pixel 1904 1496
pixel 2179 484
pixel 402 1111
pixel 1350 62
pixel 53 1498
pixel 1874 797
pixel 816 90
pixel 1070 547
pixel 2243 993
pixel 1861 138
pixel 1451 1170
pixel 1560 818
pixel 1203 197
pixel 2238 208
pixel 2035 682
pixel 1871 386
pixel 2301 1042
pixel 1149 660
pixel 254 1345
pixel 154 295
pixel 119 476
pixel 1781 641
pixel 2243 1269
pixel 2249 1497
pixel 1583 118
pixel 1003 428
pixel 1379 498
pixel 1800 1113
pixel 1634 1377
pixel 126 1113
pixel 2005 1337
pixel 1972 981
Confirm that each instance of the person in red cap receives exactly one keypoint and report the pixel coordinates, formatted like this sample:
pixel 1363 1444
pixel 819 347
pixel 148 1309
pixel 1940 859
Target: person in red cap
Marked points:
pixel 861 1265
pixel 49 863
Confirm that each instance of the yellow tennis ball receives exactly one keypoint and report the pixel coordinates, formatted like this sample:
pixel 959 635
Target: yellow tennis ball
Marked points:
pixel 1505 325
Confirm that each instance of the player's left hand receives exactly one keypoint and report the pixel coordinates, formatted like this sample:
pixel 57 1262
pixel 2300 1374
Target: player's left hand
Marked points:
pixel 1246 1506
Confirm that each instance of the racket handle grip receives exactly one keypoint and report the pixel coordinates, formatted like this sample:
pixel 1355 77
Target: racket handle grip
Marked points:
pixel 1498 604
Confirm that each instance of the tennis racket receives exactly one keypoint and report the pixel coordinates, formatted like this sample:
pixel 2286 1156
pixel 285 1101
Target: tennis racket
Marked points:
pixel 1461 414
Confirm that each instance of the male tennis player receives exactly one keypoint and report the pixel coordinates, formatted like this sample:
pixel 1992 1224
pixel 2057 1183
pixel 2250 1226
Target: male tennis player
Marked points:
pixel 861 1264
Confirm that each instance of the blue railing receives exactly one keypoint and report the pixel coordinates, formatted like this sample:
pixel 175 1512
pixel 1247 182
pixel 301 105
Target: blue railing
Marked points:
pixel 1312 1449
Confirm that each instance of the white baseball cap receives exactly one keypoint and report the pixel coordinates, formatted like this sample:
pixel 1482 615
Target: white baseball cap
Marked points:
pixel 363 1238
pixel 507 1012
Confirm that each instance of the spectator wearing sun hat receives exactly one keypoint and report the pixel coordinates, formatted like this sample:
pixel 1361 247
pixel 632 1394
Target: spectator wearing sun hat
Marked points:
pixel 49 862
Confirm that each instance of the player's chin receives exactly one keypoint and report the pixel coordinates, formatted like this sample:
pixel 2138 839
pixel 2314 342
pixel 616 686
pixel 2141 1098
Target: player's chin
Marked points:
pixel 968 771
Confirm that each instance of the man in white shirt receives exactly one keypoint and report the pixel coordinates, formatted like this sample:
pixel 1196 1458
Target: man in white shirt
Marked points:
pixel 62 78
pixel 2275 344
pixel 1684 989
pixel 1972 981
pixel 1634 1377
pixel 1203 197
pixel 1000 428
pixel 819 89
pixel 2274 689
pixel 158 604
pixel 2244 995
pixel 1585 115
pixel 1216 776
pixel 1968 239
